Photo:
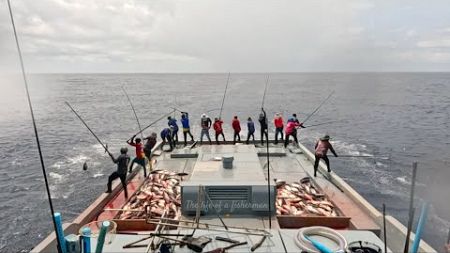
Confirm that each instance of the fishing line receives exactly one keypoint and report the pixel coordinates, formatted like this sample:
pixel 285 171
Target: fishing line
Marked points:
pixel 134 111
pixel 41 158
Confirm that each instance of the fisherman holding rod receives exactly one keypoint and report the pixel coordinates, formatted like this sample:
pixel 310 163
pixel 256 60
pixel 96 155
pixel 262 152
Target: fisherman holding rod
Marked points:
pixel 122 161
pixel 321 150
pixel 122 165
pixel 140 158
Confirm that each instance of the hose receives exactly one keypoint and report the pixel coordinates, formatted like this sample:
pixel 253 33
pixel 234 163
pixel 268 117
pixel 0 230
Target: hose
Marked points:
pixel 305 245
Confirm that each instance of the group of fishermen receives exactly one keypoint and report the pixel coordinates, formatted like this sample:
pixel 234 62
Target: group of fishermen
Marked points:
pixel 170 135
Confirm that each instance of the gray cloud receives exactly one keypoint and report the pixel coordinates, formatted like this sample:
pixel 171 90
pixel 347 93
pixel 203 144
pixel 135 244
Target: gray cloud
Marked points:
pixel 226 35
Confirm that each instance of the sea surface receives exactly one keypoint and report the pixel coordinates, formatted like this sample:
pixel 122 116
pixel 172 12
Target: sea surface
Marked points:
pixel 404 116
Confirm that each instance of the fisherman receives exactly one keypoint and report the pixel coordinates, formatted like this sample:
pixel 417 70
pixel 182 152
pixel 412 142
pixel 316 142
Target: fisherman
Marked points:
pixel 172 122
pixel 322 147
pixel 151 142
pixel 250 129
pixel 139 159
pixel 205 123
pixel 218 129
pixel 166 136
pixel 237 128
pixel 290 131
pixel 279 125
pixel 122 165
pixel 263 122
pixel 295 119
pixel 186 127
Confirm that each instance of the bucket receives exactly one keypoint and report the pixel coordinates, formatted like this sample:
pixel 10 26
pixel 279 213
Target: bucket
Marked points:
pixel 227 161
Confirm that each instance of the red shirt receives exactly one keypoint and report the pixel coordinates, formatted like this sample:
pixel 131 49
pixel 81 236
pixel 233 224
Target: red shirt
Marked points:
pixel 236 125
pixel 139 150
pixel 278 122
pixel 218 126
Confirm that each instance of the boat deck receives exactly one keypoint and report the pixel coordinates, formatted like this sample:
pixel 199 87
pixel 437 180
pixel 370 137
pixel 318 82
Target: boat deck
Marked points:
pixel 201 164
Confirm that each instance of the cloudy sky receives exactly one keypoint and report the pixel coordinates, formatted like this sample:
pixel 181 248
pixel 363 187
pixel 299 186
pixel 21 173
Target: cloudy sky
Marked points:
pixel 227 35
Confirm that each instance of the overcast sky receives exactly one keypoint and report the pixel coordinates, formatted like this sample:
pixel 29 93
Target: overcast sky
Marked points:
pixel 227 35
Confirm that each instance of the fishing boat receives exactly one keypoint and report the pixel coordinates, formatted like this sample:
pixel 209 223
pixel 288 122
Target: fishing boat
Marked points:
pixel 229 197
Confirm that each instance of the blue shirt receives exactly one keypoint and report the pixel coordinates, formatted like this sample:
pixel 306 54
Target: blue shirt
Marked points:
pixel 165 133
pixel 251 126
pixel 173 122
pixel 185 122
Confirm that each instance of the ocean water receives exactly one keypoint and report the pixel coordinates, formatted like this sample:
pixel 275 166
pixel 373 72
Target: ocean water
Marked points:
pixel 401 115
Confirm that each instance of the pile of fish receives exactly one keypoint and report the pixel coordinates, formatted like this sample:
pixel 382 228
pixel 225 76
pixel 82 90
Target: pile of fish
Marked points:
pixel 160 192
pixel 302 199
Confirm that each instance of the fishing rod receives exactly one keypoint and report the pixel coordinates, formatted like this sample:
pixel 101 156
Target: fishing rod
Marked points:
pixel 324 123
pixel 41 157
pixel 364 156
pixel 224 94
pixel 134 111
pixel 265 90
pixel 318 107
pixel 154 122
pixel 90 130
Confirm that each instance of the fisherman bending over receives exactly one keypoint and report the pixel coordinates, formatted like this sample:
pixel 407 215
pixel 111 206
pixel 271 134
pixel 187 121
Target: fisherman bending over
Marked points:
pixel 205 123
pixel 218 129
pixel 139 159
pixel 290 131
pixel 322 146
pixel 166 136
pixel 250 129
pixel 237 129
pixel 172 122
pixel 263 122
pixel 151 142
pixel 122 165
pixel 279 125
pixel 186 127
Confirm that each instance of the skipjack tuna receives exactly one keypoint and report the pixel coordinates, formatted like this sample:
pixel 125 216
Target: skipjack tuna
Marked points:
pixel 302 199
pixel 161 191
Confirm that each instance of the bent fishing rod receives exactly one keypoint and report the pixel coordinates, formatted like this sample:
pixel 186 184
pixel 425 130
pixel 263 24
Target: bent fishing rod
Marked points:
pixel 224 95
pixel 90 130
pixel 41 157
pixel 325 123
pixel 318 107
pixel 134 111
pixel 154 122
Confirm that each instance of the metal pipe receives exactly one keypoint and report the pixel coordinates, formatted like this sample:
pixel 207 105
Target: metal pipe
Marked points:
pixel 384 228
pixel 212 229
pixel 411 207
pixel 420 227
pixel 210 225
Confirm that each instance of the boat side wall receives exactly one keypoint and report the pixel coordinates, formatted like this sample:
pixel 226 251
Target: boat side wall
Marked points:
pixel 396 231
pixel 88 215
